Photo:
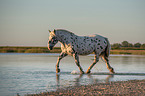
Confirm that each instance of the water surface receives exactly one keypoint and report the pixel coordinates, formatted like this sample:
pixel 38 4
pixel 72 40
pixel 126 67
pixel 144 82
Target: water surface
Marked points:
pixel 35 73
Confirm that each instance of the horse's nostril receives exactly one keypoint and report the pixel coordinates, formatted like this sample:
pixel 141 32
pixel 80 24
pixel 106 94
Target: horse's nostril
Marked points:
pixel 50 47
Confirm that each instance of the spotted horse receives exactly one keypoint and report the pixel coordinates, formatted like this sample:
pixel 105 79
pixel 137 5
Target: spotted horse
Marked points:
pixel 74 45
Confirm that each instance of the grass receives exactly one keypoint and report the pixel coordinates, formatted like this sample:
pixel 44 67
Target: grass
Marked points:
pixel 129 52
pixel 15 49
pixel 9 49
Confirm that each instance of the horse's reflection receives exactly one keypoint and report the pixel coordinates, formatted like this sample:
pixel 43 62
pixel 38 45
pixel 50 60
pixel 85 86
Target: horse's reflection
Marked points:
pixel 78 79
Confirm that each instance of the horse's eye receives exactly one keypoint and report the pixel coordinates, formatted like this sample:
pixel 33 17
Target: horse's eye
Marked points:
pixel 49 41
pixel 53 37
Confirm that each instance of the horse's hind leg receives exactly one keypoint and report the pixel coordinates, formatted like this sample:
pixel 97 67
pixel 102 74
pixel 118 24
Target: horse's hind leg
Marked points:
pixel 76 57
pixel 107 64
pixel 96 59
pixel 62 55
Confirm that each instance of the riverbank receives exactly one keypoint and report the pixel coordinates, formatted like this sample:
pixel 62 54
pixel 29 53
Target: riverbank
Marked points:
pixel 119 88
pixel 25 49
pixel 14 49
pixel 128 52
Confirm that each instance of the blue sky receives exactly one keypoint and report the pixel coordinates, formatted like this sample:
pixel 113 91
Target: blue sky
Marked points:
pixel 26 22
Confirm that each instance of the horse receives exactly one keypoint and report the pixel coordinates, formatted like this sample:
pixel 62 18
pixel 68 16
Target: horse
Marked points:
pixel 74 45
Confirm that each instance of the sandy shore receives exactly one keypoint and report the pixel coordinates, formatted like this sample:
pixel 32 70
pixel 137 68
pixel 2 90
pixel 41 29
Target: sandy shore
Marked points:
pixel 119 88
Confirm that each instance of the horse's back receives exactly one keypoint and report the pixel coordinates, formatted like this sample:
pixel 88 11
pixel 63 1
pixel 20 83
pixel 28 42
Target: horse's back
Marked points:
pixel 100 42
pixel 97 36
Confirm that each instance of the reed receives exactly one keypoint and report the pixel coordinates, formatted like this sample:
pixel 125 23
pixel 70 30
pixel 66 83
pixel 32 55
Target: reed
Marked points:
pixel 129 52
pixel 16 49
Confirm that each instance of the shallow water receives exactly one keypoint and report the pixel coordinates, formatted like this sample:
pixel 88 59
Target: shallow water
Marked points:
pixel 35 73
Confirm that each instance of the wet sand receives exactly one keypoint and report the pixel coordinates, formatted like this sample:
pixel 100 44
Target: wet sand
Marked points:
pixel 119 88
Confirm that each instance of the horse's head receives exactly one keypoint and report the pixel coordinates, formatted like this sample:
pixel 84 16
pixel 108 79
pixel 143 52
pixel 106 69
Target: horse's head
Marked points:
pixel 52 40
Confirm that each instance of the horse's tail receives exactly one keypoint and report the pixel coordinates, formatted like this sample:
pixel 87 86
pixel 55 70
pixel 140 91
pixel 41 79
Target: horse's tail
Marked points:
pixel 108 48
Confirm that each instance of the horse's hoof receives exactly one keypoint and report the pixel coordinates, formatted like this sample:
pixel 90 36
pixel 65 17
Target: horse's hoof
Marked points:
pixel 112 70
pixel 57 70
pixel 88 72
pixel 82 72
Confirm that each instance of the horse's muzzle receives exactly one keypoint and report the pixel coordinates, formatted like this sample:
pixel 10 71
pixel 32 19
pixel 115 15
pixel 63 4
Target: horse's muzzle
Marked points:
pixel 50 47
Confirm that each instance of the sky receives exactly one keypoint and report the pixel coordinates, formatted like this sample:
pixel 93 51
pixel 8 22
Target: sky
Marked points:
pixel 26 22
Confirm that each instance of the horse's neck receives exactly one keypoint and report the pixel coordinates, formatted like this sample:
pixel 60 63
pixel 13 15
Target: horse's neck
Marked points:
pixel 65 38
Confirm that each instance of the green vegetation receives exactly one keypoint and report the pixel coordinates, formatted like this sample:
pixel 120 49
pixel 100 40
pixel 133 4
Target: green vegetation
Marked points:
pixel 126 44
pixel 128 52
pixel 128 48
pixel 123 48
pixel 13 49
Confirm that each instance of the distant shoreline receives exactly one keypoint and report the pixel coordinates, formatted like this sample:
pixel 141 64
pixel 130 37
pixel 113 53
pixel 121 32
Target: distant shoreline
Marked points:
pixel 19 49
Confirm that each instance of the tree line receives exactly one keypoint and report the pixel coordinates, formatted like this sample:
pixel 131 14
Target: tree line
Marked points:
pixel 127 44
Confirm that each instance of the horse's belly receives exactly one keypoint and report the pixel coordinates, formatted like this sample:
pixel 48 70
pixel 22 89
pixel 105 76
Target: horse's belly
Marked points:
pixel 85 50
pixel 84 53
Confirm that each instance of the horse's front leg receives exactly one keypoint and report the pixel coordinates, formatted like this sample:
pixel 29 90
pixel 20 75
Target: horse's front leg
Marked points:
pixel 76 57
pixel 62 55
pixel 96 59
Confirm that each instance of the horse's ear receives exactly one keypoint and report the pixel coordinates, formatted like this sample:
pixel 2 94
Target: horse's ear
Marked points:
pixel 49 31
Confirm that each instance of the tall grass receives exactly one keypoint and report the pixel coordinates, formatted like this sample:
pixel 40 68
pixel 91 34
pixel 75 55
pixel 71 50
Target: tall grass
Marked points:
pixel 24 50
pixel 9 49
pixel 131 52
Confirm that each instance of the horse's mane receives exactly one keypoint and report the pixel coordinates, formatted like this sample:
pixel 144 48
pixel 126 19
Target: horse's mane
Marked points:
pixel 64 31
